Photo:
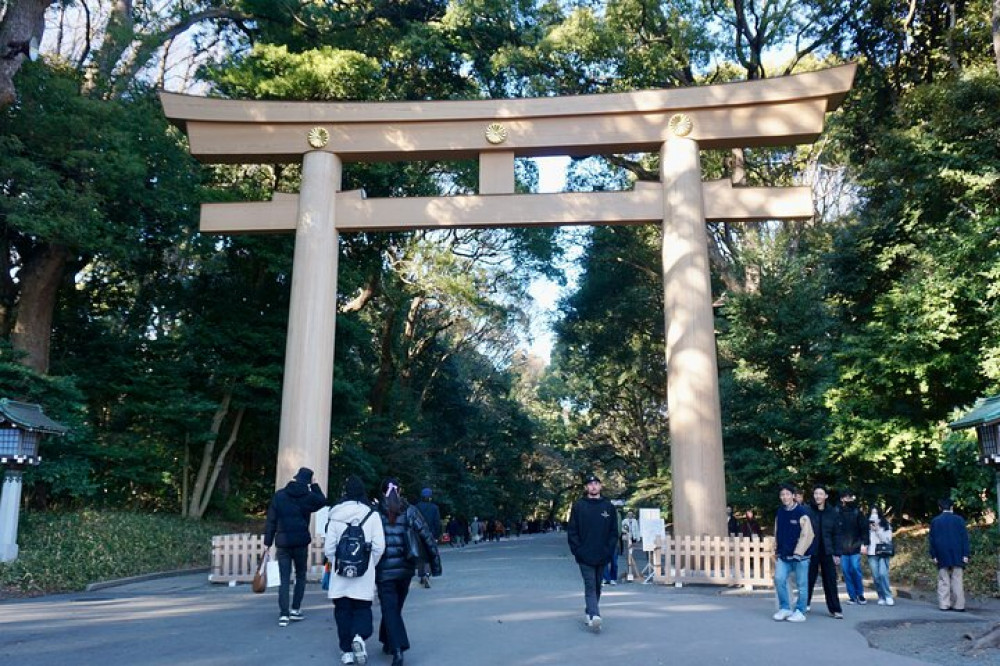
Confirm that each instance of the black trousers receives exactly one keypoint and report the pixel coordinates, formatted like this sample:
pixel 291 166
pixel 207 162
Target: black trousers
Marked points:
pixel 299 556
pixel 354 618
pixel 824 564
pixel 392 596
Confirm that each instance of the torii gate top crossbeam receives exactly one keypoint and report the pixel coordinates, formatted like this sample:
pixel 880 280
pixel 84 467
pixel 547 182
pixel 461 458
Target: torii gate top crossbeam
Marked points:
pixel 780 111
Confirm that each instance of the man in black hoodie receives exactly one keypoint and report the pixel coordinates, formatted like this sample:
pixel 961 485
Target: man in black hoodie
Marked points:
pixel 593 537
pixel 288 529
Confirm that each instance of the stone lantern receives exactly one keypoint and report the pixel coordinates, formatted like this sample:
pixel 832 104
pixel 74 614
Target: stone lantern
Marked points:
pixel 985 418
pixel 22 427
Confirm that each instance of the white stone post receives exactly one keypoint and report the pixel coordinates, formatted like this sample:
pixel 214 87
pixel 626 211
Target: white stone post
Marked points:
pixel 699 491
pixel 307 392
pixel 10 507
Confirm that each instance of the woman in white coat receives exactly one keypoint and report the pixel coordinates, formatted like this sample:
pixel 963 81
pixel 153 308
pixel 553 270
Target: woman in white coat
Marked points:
pixel 352 597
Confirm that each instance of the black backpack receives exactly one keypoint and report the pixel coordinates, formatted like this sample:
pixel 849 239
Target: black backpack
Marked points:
pixel 353 552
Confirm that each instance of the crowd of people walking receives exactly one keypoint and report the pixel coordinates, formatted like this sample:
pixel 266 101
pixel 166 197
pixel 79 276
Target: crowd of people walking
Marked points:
pixel 378 546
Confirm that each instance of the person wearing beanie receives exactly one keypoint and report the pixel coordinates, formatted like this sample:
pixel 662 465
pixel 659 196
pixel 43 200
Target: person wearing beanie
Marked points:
pixel 352 597
pixel 593 538
pixel 432 515
pixel 287 528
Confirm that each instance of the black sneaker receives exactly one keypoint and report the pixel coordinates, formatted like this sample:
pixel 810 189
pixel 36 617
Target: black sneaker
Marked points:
pixel 283 621
pixel 296 616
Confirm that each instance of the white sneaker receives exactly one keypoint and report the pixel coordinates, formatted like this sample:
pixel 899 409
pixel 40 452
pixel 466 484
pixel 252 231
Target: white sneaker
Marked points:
pixel 595 624
pixel 347 658
pixel 783 614
pixel 358 650
pixel 889 601
pixel 881 602
pixel 809 609
pixel 283 621
pixel 797 616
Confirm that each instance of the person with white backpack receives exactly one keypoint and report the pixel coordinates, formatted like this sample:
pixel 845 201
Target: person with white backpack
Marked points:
pixel 353 554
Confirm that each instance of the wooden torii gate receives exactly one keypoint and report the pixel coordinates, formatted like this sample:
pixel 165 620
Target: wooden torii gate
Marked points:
pixel 676 122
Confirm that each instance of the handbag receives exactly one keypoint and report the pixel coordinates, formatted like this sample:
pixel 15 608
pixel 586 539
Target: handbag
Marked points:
pixel 259 583
pixel 885 549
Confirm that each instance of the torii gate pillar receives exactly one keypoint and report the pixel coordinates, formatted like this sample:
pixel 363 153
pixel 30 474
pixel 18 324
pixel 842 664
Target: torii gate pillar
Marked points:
pixel 695 419
pixel 304 436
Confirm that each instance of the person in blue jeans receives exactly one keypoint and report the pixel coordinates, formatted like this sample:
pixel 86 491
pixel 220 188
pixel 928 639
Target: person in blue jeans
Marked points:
pixel 794 544
pixel 879 531
pixel 852 526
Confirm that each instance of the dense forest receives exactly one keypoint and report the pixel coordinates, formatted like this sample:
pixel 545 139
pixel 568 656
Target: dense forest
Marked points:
pixel 846 343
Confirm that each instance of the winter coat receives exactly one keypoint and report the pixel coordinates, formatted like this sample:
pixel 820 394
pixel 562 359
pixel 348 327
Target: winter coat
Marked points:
pixel 852 526
pixel 432 514
pixel 593 531
pixel 341 515
pixel 949 540
pixel 827 527
pixel 288 515
pixel 394 564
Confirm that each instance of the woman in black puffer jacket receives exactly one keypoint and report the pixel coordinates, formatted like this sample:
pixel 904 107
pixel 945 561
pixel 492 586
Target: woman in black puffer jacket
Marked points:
pixel 396 569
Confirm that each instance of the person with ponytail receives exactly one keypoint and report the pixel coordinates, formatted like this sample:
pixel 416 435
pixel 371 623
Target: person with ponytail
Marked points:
pixel 400 523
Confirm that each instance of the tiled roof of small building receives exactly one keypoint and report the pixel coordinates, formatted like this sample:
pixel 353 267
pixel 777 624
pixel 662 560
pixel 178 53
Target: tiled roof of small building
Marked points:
pixel 28 417
pixel 985 412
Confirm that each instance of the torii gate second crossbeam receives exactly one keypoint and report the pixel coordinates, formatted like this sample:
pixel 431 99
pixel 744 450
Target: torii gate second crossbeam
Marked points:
pixel 675 122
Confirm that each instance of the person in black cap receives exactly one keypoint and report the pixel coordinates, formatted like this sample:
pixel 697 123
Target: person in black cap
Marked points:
pixel 593 536
pixel 288 529
pixel 432 514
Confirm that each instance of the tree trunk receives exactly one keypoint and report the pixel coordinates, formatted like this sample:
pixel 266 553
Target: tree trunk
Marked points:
pixel 219 462
pixel 24 19
pixel 40 279
pixel 996 33
pixel 208 470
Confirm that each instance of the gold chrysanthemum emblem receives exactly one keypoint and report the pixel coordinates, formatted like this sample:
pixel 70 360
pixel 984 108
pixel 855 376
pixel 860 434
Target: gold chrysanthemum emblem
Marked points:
pixel 318 137
pixel 681 124
pixel 496 133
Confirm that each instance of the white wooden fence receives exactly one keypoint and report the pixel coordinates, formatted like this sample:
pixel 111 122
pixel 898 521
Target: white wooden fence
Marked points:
pixel 745 561
pixel 235 557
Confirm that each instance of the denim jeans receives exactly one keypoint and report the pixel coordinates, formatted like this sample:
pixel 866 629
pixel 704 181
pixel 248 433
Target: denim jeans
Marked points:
pixel 798 568
pixel 851 566
pixel 880 575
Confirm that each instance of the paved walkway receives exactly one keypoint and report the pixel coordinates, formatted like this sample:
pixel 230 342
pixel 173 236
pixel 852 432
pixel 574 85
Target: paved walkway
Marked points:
pixel 519 601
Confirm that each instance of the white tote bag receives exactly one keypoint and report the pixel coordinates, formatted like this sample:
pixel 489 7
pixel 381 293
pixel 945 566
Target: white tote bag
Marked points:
pixel 273 573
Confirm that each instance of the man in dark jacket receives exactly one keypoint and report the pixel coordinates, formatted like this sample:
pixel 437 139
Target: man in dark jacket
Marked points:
pixel 852 526
pixel 593 536
pixel 288 529
pixel 824 518
pixel 949 545
pixel 432 515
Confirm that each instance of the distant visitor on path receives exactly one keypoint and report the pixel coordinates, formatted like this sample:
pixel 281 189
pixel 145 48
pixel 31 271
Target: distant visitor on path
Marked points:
pixel 288 529
pixel 949 545
pixel 794 543
pixel 407 540
pixel 750 526
pixel 593 538
pixel 432 515
pixel 352 595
